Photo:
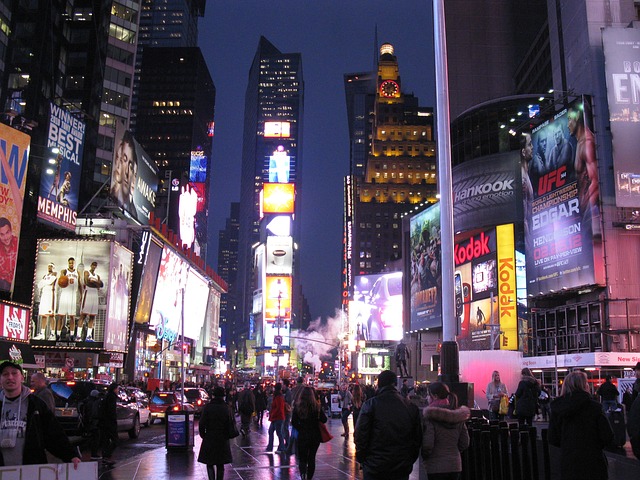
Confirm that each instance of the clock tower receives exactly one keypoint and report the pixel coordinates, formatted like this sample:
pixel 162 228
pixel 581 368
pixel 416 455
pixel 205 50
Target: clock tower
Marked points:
pixel 388 76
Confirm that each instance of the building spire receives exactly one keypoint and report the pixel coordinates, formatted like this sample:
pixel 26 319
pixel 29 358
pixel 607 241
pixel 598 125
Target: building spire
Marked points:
pixel 375 49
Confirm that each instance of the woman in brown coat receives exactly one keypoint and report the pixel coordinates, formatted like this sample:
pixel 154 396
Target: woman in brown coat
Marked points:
pixel 445 434
pixel 214 427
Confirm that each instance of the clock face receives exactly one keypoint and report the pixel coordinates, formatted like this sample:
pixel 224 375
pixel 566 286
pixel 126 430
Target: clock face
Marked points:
pixel 389 88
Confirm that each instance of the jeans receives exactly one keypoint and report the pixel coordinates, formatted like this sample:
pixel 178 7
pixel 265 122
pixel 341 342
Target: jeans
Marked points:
pixel 307 458
pixel 276 426
pixel 285 428
pixel 609 405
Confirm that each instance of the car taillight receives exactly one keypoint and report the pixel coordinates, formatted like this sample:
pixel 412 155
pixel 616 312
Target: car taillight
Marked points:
pixel 199 402
pixel 176 408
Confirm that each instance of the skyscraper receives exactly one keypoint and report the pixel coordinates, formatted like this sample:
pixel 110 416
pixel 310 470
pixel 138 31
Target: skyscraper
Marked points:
pixel 228 270
pixel 271 154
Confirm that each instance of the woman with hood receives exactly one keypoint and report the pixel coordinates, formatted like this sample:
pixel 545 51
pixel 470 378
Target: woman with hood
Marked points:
pixel 445 434
pixel 579 427
pixel 527 398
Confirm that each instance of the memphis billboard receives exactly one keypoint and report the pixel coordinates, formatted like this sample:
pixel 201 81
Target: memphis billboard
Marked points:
pixel 14 158
pixel 134 177
pixel 426 269
pixel 622 72
pixel 561 197
pixel 60 178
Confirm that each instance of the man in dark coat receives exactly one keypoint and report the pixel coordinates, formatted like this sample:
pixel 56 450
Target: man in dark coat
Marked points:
pixel 246 407
pixel 608 394
pixel 388 433
pixel 109 423
pixel 214 427
pixel 633 427
pixel 28 427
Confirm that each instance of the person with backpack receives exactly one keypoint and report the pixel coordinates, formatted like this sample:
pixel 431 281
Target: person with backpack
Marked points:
pixel 91 411
pixel 246 407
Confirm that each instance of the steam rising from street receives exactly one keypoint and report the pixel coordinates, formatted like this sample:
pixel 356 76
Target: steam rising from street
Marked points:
pixel 316 343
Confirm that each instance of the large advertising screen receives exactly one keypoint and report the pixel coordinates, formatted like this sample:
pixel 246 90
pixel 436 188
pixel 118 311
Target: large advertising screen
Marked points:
pixel 622 72
pixel 115 333
pixel 376 310
pixel 278 198
pixel 426 269
pixel 60 179
pixel 277 301
pixel 79 286
pixel 14 159
pixel 179 290
pixel 166 313
pixel 149 259
pixel 134 177
pixel 279 255
pixel 279 166
pixel 476 282
pixel 484 190
pixel 561 197
pixel 196 297
pixel 277 129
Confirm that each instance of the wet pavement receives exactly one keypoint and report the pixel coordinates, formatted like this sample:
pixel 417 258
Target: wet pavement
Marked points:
pixel 335 461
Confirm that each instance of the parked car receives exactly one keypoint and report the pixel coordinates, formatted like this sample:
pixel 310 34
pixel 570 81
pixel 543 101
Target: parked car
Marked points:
pixel 70 395
pixel 143 404
pixel 161 402
pixel 197 397
pixel 385 301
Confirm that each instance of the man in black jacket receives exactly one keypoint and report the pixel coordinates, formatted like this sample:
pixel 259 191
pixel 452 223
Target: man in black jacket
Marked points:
pixel 388 434
pixel 28 428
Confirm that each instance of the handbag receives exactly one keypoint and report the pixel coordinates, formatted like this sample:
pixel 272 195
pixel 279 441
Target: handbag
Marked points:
pixel 504 405
pixel 325 436
pixel 233 428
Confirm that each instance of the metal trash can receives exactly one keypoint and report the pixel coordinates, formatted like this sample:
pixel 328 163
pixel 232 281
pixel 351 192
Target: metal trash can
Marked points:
pixel 179 430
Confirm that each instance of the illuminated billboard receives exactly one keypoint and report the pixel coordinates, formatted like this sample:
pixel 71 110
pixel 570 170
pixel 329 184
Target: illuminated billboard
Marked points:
pixel 485 276
pixel 278 198
pixel 562 221
pixel 622 71
pixel 426 269
pixel 279 225
pixel 277 298
pixel 14 159
pixel 167 310
pixel 149 259
pixel 60 179
pixel 80 286
pixel 115 332
pixel 196 297
pixel 15 322
pixel 279 255
pixel 376 311
pixel 277 129
pixel 179 290
pixel 484 190
pixel 134 177
pixel 279 166
pixel 198 166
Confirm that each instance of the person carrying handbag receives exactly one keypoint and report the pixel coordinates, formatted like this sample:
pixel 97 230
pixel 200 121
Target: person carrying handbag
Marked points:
pixel 217 426
pixel 306 416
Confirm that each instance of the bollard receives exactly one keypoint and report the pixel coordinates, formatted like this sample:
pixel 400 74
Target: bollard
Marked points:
pixel 504 452
pixel 477 454
pixel 496 463
pixel 485 436
pixel 533 441
pixel 526 454
pixel 516 466
pixel 545 454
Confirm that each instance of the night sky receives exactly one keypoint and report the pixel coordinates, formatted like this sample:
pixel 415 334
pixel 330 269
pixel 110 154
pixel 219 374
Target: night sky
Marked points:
pixel 334 37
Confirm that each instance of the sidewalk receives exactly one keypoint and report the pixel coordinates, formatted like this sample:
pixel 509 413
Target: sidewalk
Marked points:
pixel 335 461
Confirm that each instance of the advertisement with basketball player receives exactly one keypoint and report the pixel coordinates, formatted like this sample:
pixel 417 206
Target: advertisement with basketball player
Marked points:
pixel 70 288
pixel 115 333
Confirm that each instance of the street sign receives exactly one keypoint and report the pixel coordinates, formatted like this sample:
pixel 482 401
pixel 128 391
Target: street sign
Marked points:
pixel 277 339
